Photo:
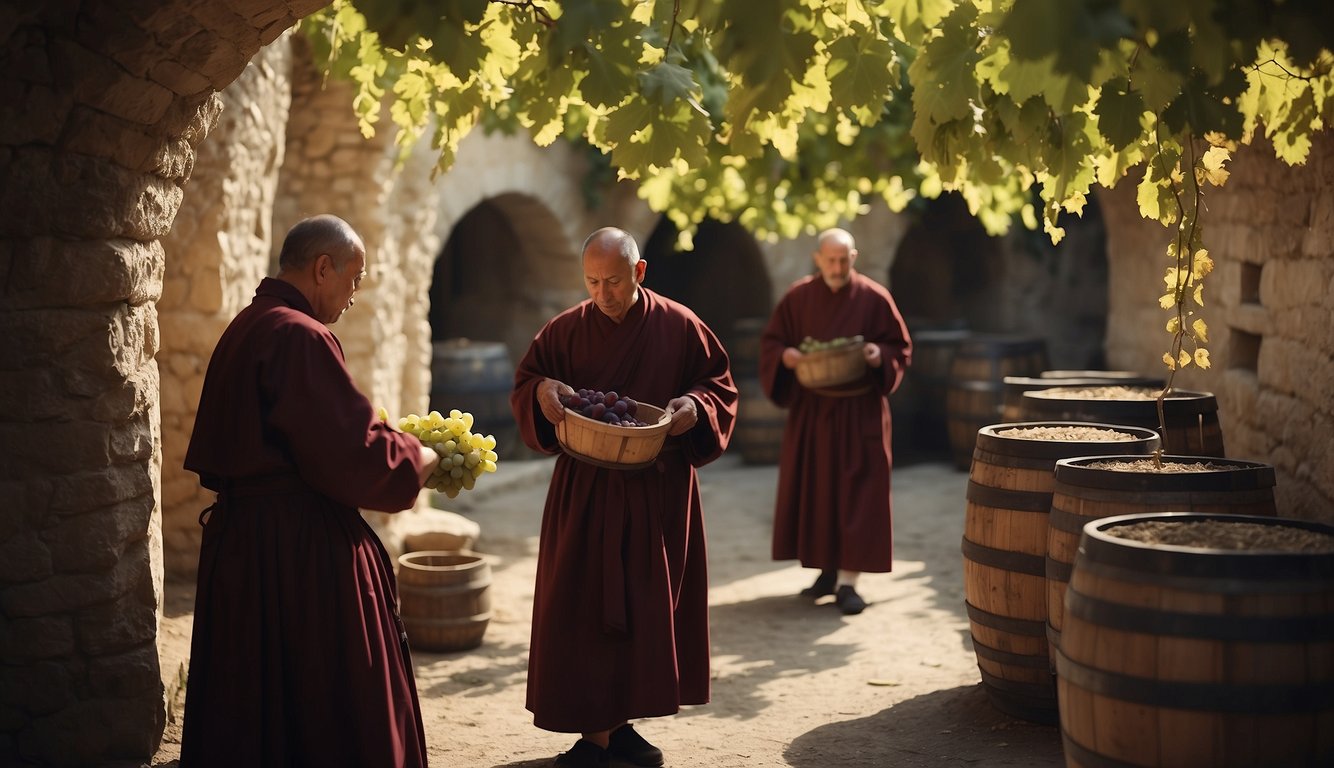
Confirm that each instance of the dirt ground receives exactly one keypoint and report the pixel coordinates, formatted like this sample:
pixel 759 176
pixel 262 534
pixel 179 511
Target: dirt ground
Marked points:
pixel 794 683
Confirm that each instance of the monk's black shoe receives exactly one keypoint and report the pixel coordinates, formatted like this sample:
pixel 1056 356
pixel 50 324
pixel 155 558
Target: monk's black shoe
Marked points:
pixel 848 601
pixel 626 744
pixel 824 584
pixel 584 754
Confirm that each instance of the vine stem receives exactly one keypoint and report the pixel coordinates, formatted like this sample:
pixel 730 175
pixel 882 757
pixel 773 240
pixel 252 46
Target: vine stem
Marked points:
pixel 540 14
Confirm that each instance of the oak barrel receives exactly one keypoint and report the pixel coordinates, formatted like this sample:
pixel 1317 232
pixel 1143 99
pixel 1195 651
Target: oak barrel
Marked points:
pixel 1084 493
pixel 1004 542
pixel 918 405
pixel 476 377
pixel 1191 418
pixel 758 435
pixel 974 394
pixel 743 348
pixel 1014 387
pixel 444 599
pixel 1198 655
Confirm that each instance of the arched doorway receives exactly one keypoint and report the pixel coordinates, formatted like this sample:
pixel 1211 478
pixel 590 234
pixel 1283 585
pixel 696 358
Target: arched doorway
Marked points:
pixel 724 279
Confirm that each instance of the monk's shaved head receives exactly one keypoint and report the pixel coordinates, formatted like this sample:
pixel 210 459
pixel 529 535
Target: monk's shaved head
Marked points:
pixel 316 235
pixel 835 235
pixel 610 240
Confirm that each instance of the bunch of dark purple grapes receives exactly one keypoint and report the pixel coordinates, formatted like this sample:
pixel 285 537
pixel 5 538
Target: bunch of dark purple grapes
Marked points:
pixel 607 407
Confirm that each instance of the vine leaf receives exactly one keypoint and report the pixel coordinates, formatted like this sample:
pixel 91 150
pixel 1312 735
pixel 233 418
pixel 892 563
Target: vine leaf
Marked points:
pixel 1119 111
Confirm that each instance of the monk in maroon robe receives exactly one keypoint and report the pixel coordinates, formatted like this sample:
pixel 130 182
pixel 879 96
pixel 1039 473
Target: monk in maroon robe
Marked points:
pixel 298 656
pixel 833 506
pixel 620 612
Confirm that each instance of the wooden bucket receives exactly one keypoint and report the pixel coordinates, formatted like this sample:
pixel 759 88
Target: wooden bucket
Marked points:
pixel 1004 542
pixel 1082 494
pixel 918 405
pixel 1191 418
pixel 759 424
pixel 743 350
pixel 974 395
pixel 444 599
pixel 611 445
pixel 476 377
pixel 1014 387
pixel 1196 656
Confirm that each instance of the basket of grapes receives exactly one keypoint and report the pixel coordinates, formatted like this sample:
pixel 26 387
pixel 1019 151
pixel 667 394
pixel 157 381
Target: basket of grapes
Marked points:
pixel 608 430
pixel 830 363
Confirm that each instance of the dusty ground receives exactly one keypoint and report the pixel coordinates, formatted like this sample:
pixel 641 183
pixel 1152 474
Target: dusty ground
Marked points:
pixel 795 684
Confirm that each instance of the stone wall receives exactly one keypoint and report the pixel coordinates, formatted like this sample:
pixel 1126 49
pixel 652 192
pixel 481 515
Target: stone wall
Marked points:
pixel 104 105
pixel 216 253
pixel 1270 231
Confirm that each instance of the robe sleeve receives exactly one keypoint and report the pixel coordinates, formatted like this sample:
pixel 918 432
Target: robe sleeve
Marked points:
pixel 330 429
pixel 778 381
pixel 536 365
pixel 890 333
pixel 715 396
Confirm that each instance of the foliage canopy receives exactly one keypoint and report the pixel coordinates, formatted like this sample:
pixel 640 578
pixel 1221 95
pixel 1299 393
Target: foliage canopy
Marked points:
pixel 792 115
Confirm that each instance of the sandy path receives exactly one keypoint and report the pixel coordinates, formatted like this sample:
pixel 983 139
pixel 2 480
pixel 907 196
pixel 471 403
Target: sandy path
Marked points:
pixel 795 684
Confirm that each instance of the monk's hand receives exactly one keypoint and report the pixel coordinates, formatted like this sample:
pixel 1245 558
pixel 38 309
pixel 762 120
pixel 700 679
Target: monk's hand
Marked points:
pixel 791 356
pixel 872 354
pixel 429 461
pixel 683 414
pixel 548 399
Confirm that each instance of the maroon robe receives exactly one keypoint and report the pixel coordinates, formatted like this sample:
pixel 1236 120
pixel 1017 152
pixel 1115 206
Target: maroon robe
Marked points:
pixel 833 505
pixel 298 656
pixel 620 611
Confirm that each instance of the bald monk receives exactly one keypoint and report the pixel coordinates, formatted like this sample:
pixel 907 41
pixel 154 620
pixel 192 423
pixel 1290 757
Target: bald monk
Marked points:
pixel 298 656
pixel 620 612
pixel 833 505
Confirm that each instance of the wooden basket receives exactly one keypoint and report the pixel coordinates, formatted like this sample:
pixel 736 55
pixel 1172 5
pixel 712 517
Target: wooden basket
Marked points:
pixel 832 367
pixel 611 445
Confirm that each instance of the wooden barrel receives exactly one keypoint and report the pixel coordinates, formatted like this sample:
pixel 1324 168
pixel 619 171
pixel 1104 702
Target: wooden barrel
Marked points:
pixel 1014 387
pixel 1116 376
pixel 1004 543
pixel 918 405
pixel 743 348
pixel 758 435
pixel 444 599
pixel 1198 656
pixel 1082 493
pixel 476 377
pixel 974 394
pixel 1191 418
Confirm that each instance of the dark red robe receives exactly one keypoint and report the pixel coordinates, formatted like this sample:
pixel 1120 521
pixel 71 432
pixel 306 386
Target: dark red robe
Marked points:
pixel 620 611
pixel 833 504
pixel 297 655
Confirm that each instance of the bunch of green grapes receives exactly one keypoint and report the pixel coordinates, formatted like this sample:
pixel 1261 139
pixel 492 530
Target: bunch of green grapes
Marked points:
pixel 464 456
pixel 809 345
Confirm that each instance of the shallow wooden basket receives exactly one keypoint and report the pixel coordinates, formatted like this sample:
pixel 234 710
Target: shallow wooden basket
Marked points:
pixel 831 367
pixel 611 445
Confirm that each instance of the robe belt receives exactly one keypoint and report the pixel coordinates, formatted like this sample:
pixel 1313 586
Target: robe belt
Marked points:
pixel 862 390
pixel 276 484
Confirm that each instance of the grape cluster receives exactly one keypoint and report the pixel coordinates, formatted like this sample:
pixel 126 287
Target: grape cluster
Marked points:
pixel 464 455
pixel 607 407
pixel 809 345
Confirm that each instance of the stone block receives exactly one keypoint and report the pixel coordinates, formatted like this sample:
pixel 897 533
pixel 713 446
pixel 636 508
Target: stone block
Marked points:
pixel 24 558
pixel 54 273
pixel 37 688
pixel 48 637
pixel 96 731
pixel 175 160
pixel 55 447
pixel 127 675
pixel 95 541
pixel 97 81
pixel 80 492
pixel 32 114
pixel 1293 282
pixel 131 441
pixel 136 393
pixel 214 57
pixel 178 79
pixel 65 593
pixel 110 30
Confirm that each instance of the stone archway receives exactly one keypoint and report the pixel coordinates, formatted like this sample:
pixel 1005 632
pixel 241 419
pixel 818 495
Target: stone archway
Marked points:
pixel 723 279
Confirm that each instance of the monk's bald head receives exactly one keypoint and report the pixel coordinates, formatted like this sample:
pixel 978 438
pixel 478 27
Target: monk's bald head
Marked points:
pixel 834 255
pixel 319 235
pixel 836 237
pixel 610 241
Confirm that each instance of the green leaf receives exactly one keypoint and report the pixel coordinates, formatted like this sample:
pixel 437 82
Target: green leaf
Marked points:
pixel 862 70
pixel 1155 81
pixel 944 75
pixel 1119 112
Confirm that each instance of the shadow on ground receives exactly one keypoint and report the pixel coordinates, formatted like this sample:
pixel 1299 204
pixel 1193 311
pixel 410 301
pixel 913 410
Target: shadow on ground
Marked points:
pixel 956 726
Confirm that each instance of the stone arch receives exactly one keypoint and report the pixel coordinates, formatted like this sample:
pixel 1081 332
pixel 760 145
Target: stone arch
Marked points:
pixel 724 278
pixel 497 271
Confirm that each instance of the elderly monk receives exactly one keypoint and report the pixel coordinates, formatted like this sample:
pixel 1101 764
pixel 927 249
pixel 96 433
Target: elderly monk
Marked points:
pixel 298 656
pixel 620 612
pixel 833 505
